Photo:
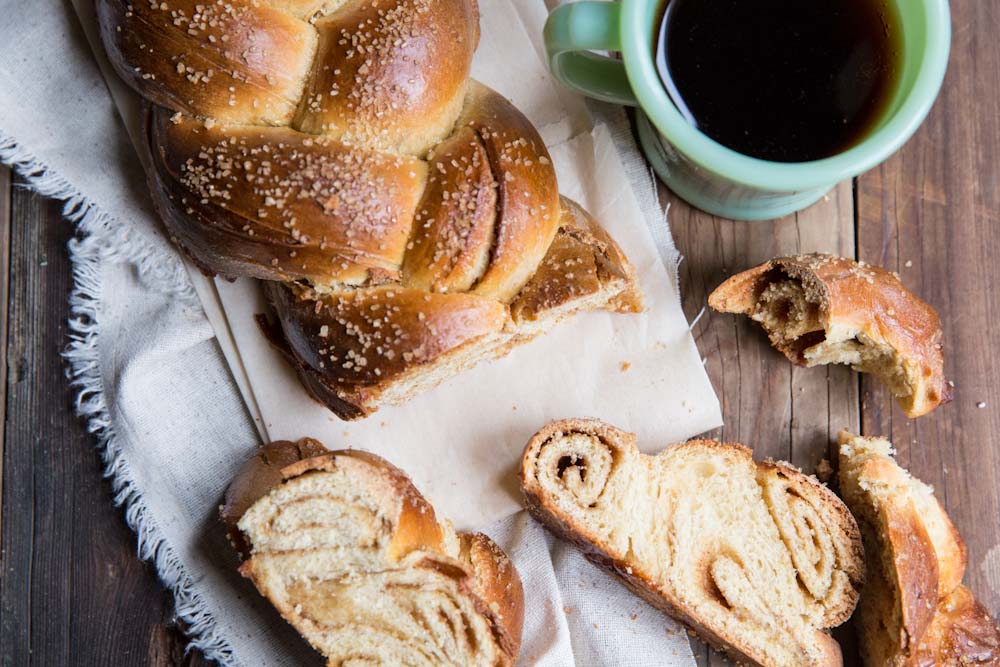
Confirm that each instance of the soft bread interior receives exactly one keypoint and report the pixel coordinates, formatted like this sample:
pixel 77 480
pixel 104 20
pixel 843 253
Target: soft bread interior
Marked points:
pixel 753 557
pixel 361 568
pixel 793 312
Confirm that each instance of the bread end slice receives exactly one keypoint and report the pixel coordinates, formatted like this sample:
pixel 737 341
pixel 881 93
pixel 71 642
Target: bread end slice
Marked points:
pixel 353 556
pixel 913 610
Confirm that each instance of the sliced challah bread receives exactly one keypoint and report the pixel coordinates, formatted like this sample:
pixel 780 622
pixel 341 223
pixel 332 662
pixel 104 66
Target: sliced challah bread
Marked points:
pixel 913 612
pixel 350 553
pixel 757 558
pixel 822 309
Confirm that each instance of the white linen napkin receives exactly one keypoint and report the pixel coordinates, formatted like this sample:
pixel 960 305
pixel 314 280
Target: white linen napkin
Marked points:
pixel 156 390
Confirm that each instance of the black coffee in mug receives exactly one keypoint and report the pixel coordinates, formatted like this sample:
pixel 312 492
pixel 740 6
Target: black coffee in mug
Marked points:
pixel 781 80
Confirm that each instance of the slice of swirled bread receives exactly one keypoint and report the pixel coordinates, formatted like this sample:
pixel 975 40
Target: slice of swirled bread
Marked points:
pixel 350 553
pixel 757 558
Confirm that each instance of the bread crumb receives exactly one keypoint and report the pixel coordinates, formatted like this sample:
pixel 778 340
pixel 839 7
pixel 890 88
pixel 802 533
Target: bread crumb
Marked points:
pixel 824 471
pixel 567 610
pixel 908 264
pixel 625 365
pixel 981 404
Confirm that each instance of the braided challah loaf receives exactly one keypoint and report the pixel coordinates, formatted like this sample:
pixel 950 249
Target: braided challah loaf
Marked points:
pixel 757 558
pixel 410 215
pixel 351 554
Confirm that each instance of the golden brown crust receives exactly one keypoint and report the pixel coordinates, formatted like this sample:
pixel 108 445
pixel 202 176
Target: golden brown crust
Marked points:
pixel 913 612
pixel 642 582
pixel 358 343
pixel 491 207
pixel 424 331
pixel 858 298
pixel 480 568
pixel 583 261
pixel 272 203
pixel 340 145
pixel 390 74
pixel 240 61
pixel 917 583
pixel 255 478
pixel 496 581
pixel 962 635
pixel 453 232
pixel 528 213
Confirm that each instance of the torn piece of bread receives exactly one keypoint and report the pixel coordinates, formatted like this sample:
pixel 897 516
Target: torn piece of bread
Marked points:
pixel 822 309
pixel 757 558
pixel 351 555
pixel 913 612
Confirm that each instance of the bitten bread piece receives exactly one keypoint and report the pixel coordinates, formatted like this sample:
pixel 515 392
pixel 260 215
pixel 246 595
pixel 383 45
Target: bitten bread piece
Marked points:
pixel 409 216
pixel 822 309
pixel 757 558
pixel 350 553
pixel 913 612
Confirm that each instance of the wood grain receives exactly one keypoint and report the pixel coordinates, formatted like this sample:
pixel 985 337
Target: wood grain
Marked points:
pixel 4 303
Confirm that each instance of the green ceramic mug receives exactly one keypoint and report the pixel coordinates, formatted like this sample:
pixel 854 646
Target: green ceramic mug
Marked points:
pixel 703 172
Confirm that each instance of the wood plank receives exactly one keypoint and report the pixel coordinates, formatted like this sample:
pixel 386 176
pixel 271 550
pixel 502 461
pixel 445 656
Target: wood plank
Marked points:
pixel 932 213
pixel 4 303
pixel 72 591
pixel 781 411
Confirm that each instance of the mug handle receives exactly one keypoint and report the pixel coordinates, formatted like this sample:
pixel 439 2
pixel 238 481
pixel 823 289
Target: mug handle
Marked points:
pixel 570 32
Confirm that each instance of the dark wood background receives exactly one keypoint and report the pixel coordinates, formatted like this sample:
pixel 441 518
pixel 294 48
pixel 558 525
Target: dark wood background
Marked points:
pixel 72 591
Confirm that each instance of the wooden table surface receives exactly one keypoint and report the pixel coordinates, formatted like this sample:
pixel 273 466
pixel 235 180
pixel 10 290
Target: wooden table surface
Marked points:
pixel 72 591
